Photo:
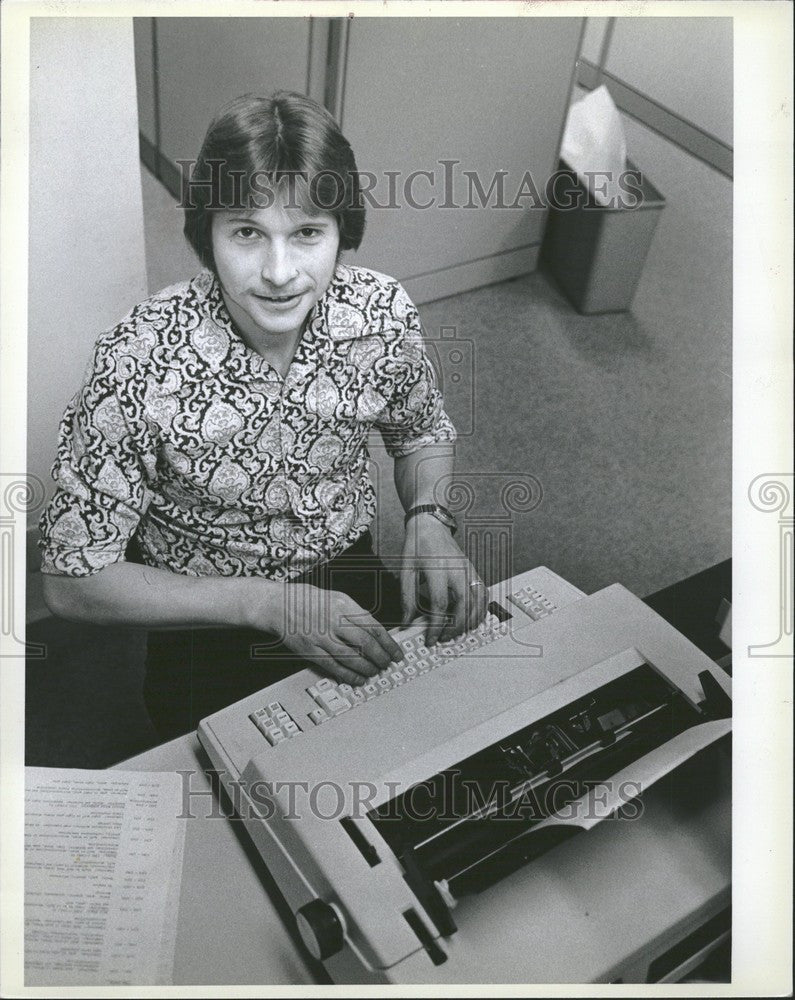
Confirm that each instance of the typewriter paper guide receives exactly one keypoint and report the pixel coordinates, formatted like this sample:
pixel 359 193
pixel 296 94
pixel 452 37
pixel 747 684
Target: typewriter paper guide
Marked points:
pixel 638 777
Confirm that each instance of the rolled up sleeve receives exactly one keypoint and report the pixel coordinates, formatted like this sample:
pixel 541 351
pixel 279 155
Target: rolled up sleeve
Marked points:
pixel 104 462
pixel 414 416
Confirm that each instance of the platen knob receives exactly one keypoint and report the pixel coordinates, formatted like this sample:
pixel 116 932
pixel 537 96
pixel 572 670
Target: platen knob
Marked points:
pixel 321 929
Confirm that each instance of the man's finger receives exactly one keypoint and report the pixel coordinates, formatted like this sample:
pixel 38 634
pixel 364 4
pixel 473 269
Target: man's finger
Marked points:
pixel 456 618
pixel 348 661
pixel 363 653
pixel 361 642
pixel 438 613
pixel 408 593
pixel 477 603
pixel 331 658
pixel 379 634
pixel 344 674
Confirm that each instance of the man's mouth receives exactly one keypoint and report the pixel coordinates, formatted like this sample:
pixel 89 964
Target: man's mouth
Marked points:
pixel 280 299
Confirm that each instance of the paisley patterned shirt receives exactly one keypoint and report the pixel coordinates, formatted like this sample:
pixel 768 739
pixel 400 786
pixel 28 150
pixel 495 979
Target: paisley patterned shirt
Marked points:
pixel 189 440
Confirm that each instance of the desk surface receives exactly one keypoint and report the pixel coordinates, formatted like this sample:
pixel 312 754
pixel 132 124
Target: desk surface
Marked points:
pixel 233 923
pixel 588 909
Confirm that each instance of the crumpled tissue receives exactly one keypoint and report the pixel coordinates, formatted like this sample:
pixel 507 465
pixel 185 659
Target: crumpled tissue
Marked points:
pixel 594 143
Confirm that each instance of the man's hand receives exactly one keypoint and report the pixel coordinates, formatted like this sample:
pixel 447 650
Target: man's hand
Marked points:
pixel 457 599
pixel 330 629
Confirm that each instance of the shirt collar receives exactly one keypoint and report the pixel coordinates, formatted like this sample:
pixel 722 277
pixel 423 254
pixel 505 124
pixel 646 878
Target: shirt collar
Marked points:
pixel 336 317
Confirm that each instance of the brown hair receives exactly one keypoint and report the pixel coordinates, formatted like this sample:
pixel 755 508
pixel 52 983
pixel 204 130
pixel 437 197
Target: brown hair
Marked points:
pixel 283 138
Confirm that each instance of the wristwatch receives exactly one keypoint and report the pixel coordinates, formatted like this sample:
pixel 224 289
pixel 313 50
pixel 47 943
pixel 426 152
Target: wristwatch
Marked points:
pixel 441 513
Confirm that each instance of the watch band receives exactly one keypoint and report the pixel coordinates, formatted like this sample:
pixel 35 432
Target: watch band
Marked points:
pixel 440 513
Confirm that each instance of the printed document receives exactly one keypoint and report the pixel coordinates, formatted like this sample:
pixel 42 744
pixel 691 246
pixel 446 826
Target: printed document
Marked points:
pixel 103 867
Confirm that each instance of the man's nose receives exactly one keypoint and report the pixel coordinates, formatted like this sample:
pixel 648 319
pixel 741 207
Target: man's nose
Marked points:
pixel 278 268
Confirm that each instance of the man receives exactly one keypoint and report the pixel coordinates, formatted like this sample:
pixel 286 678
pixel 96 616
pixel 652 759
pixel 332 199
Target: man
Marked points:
pixel 222 431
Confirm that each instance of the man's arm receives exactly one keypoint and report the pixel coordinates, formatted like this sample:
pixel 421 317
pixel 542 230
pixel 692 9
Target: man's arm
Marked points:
pixel 127 593
pixel 457 595
pixel 418 474
pixel 328 628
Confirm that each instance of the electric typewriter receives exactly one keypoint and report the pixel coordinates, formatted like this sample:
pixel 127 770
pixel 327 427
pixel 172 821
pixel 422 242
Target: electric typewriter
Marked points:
pixel 402 820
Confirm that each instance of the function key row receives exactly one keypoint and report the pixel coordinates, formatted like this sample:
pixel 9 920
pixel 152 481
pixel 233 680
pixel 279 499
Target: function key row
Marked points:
pixel 534 604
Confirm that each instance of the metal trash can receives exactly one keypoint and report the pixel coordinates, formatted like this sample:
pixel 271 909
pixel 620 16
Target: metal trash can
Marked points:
pixel 596 253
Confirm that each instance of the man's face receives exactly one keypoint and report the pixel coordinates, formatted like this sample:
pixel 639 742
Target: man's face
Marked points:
pixel 273 265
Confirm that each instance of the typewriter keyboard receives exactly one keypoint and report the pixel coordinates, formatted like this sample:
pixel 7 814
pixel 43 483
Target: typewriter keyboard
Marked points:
pixel 332 698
